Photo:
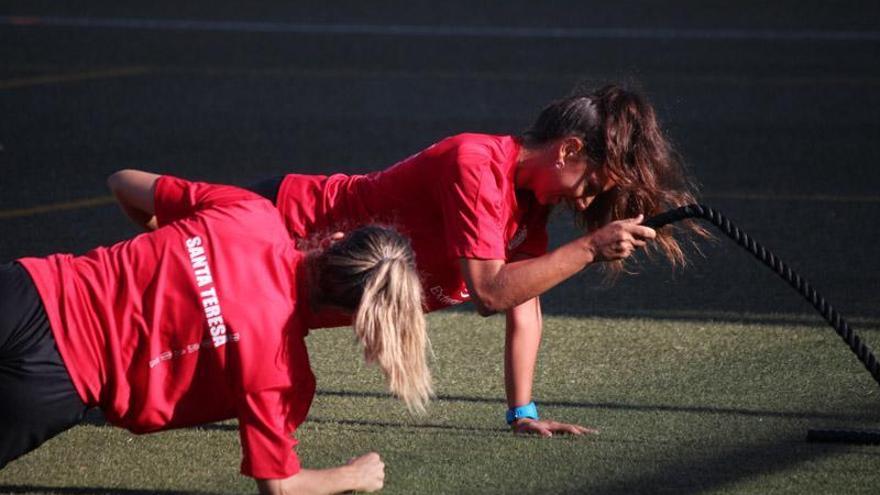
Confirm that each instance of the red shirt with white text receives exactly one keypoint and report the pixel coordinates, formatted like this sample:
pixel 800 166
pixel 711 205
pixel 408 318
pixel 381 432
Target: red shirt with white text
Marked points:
pixel 199 321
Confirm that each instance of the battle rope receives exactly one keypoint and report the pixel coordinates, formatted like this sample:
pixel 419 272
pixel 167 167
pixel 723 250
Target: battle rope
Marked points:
pixel 855 343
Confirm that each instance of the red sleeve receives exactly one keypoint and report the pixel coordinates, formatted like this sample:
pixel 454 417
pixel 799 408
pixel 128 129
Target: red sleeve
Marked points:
pixel 177 198
pixel 303 203
pixel 473 205
pixel 266 441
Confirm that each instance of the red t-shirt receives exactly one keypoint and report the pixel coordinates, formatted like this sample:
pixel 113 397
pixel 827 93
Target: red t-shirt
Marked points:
pixel 199 321
pixel 454 200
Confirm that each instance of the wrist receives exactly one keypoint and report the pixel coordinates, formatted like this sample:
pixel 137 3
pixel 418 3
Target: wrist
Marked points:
pixel 527 411
pixel 588 248
pixel 335 479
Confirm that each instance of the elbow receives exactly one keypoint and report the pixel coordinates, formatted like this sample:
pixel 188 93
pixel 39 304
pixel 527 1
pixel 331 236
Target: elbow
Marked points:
pixel 275 486
pixel 484 311
pixel 114 180
pixel 118 180
pixel 487 304
pixel 488 286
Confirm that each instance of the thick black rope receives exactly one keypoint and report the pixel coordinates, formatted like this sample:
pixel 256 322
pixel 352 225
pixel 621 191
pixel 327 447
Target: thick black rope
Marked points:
pixel 865 437
pixel 855 343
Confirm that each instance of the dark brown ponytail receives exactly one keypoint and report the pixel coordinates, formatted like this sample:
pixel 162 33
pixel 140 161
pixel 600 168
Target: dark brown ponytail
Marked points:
pixel 621 134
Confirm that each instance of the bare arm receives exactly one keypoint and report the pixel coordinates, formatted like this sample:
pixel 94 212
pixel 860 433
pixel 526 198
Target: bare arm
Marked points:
pixel 134 191
pixel 514 287
pixel 523 339
pixel 364 474
pixel 499 286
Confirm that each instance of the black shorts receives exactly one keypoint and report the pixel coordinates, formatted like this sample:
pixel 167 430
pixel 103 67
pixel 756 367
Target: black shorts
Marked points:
pixel 267 188
pixel 37 398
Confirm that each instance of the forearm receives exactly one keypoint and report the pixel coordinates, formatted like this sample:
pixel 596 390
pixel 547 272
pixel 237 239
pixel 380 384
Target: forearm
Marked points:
pixel 523 339
pixel 311 482
pixel 524 327
pixel 507 285
pixel 499 286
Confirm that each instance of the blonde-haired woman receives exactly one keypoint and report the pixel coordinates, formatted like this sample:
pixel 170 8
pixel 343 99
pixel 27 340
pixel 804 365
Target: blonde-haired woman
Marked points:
pixel 201 320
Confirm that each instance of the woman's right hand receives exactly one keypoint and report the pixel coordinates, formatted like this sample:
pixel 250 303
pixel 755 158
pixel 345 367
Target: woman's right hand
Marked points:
pixel 368 472
pixel 618 240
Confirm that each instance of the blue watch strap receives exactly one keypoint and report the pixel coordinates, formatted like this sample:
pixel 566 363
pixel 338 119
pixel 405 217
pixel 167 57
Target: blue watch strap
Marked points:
pixel 529 410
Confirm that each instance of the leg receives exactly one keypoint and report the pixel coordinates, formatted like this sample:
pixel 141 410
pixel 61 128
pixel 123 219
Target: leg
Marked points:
pixel 37 398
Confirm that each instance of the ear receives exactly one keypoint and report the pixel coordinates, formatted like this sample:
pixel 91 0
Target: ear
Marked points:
pixel 569 148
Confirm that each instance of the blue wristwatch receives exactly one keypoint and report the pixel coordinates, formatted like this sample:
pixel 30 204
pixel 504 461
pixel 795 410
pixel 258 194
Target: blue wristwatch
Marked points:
pixel 529 410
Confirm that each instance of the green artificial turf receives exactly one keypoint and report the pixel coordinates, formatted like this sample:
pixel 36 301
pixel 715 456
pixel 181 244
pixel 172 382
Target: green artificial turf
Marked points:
pixel 684 406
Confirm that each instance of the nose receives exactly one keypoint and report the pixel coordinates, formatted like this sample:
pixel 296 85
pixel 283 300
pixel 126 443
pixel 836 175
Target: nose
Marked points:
pixel 582 203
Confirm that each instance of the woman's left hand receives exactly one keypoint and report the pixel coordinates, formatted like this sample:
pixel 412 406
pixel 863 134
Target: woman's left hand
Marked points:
pixel 546 428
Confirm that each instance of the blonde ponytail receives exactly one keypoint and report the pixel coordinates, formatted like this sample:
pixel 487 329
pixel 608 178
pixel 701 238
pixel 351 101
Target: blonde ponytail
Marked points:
pixel 372 273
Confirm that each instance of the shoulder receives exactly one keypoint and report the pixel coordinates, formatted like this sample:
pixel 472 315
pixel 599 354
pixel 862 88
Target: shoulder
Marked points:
pixel 470 142
pixel 301 181
pixel 299 187
pixel 473 150
pixel 207 192
pixel 309 178
pixel 250 215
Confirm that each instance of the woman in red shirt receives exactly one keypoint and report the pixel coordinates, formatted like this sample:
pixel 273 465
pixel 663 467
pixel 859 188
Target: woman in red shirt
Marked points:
pixel 201 320
pixel 476 207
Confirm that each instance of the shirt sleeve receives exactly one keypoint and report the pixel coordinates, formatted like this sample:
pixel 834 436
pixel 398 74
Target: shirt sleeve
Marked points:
pixel 473 205
pixel 267 443
pixel 300 202
pixel 177 198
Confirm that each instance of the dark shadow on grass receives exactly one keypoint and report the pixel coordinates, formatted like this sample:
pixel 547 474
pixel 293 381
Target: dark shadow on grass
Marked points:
pixel 94 490
pixel 695 472
pixel 216 427
pixel 714 466
pixel 392 424
pixel 804 320
pixel 814 320
pixel 366 423
pixel 95 418
pixel 634 407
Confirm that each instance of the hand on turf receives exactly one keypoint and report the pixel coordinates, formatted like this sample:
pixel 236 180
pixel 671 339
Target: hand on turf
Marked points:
pixel 368 471
pixel 619 239
pixel 546 428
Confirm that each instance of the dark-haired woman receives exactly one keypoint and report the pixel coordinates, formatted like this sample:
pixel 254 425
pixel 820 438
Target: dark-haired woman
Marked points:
pixel 201 320
pixel 476 208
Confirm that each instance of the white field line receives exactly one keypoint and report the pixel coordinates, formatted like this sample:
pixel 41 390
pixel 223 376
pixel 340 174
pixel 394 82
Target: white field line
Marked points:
pixel 450 31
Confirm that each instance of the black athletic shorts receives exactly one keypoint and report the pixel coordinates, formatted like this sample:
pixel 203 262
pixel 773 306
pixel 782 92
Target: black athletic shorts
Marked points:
pixel 37 398
pixel 268 188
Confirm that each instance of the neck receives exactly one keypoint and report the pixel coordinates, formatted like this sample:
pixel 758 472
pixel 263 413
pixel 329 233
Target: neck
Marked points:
pixel 528 162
